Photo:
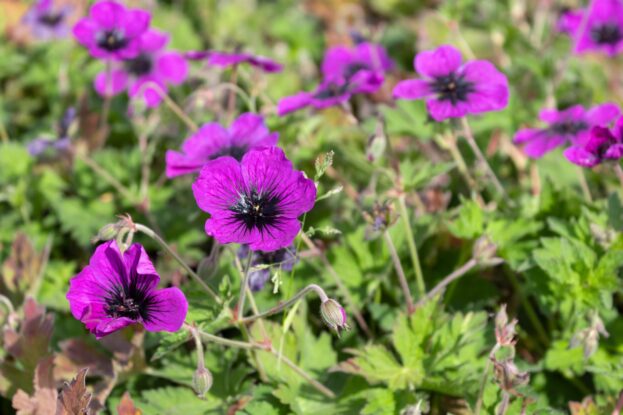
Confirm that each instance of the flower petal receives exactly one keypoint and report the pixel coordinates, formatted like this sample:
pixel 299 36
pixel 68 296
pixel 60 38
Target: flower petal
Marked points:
pixel 135 22
pixel 153 40
pixel 110 85
pixel 439 62
pixel 581 157
pixel 491 87
pixel 216 188
pixel 602 115
pixel 107 14
pixel 84 31
pixel 441 110
pixel 412 89
pixel 167 310
pixel 293 103
pixel 172 67
pixel 249 129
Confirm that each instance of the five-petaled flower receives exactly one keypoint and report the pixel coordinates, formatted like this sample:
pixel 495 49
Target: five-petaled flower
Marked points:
pixel 255 201
pixel 111 31
pixel 151 69
pixel 346 71
pixel 571 125
pixel 602 145
pixel 47 20
pixel 453 90
pixel 212 141
pixel 601 30
pixel 118 289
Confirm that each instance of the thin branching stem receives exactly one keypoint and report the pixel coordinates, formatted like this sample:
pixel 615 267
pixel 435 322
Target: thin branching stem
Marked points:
pixel 415 258
pixel 280 307
pixel 402 279
pixel 244 282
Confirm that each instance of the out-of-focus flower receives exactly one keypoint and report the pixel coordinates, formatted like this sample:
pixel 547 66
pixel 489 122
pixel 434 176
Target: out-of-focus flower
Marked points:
pixel 118 289
pixel 111 31
pixel 602 30
pixel 454 90
pixel 255 201
pixel 334 315
pixel 346 71
pixel 571 125
pixel 504 331
pixel 588 338
pixel 43 147
pixel 153 67
pixel 284 259
pixel 212 141
pixel 602 145
pixel 48 21
pixel 569 21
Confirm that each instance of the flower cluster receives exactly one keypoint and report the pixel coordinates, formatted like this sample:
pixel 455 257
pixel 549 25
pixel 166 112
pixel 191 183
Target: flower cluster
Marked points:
pixel 602 145
pixel 47 20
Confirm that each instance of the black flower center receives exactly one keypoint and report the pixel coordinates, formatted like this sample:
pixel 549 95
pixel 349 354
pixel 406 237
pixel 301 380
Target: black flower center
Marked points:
pixel 141 65
pixel 50 19
pixel 131 301
pixel 606 34
pixel 568 127
pixel 331 91
pixel 452 87
pixel 111 40
pixel 236 152
pixel 258 210
pixel 353 68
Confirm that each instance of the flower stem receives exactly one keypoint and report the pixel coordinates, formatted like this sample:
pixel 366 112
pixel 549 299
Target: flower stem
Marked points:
pixel 469 137
pixel 415 258
pixel 584 185
pixel 619 171
pixel 401 274
pixel 231 343
pixel 525 302
pixel 153 235
pixel 483 380
pixel 276 309
pixel 244 283
pixel 103 173
pixel 172 105
pixel 319 386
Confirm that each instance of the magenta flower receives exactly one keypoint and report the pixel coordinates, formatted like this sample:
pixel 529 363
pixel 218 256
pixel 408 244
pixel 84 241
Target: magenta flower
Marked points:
pixel 602 145
pixel 571 125
pixel 346 71
pixel 256 201
pixel 570 21
pixel 111 31
pixel 453 90
pixel 48 21
pixel 603 29
pixel 152 68
pixel 116 290
pixel 212 141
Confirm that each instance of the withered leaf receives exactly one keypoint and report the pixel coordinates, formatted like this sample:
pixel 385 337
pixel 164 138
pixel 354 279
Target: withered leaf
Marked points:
pixel 74 398
pixel 126 406
pixel 21 268
pixel 77 354
pixel 43 401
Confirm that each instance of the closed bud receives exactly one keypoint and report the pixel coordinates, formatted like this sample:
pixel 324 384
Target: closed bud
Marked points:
pixel 202 381
pixel 505 331
pixel 484 249
pixel 334 315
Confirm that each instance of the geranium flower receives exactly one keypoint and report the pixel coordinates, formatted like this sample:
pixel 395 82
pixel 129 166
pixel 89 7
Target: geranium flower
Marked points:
pixel 602 145
pixel 111 31
pixel 284 259
pixel 571 125
pixel 603 29
pixel 118 289
pixel 346 71
pixel 569 21
pixel 152 65
pixel 453 90
pixel 212 141
pixel 255 201
pixel 48 21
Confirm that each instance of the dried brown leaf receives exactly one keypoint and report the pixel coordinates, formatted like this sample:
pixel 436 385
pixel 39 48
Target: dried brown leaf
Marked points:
pixel 43 401
pixel 126 406
pixel 77 354
pixel 74 398
pixel 21 268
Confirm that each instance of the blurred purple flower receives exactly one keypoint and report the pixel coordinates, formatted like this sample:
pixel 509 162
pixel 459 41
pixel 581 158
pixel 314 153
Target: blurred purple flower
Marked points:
pixel 118 289
pixel 111 31
pixel 346 71
pixel 602 145
pixel 48 21
pixel 603 29
pixel 569 21
pixel 571 125
pixel 284 259
pixel 453 90
pixel 212 141
pixel 151 68
pixel 42 147
pixel 256 201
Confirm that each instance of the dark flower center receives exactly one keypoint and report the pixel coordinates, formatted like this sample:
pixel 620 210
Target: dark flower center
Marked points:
pixel 141 65
pixel 50 19
pixel 236 152
pixel 111 40
pixel 568 127
pixel 353 68
pixel 258 210
pixel 131 301
pixel 452 87
pixel 606 34
pixel 331 91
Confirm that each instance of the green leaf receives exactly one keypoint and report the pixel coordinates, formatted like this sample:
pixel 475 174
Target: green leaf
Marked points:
pixel 470 222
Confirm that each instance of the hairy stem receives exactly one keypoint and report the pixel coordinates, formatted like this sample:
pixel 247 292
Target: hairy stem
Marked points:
pixel 244 285
pixel 415 258
pixel 171 104
pixel 402 279
pixel 276 309
pixel 153 235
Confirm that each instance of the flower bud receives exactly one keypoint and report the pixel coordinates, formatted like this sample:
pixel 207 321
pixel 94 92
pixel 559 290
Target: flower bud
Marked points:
pixel 504 331
pixel 334 315
pixel 484 249
pixel 202 381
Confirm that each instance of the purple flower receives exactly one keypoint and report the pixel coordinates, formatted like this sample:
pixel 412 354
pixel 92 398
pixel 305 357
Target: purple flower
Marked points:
pixel 225 59
pixel 111 31
pixel 284 259
pixel 453 90
pixel 116 290
pixel 569 21
pixel 603 144
pixel 571 125
pixel 346 71
pixel 43 147
pixel 603 29
pixel 153 67
pixel 255 201
pixel 47 21
pixel 212 141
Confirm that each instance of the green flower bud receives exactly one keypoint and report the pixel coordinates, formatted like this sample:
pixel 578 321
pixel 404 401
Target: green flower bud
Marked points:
pixel 202 381
pixel 334 315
